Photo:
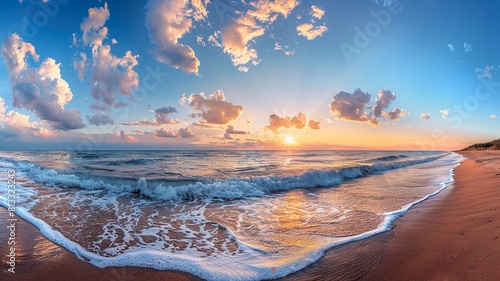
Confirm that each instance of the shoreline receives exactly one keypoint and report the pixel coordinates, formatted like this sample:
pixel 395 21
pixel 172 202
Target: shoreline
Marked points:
pixel 450 236
pixel 379 257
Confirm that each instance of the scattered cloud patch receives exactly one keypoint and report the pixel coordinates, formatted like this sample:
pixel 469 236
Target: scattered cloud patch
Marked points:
pixel 213 109
pixel 230 130
pixel 298 121
pixel 451 47
pixel 425 116
pixel 239 34
pixel 485 72
pixel 309 30
pixel 467 47
pixel 100 119
pixel 444 113
pixel 127 138
pixel 162 118
pixel 172 133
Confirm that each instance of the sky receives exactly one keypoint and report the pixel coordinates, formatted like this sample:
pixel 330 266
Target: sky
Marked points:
pixel 253 74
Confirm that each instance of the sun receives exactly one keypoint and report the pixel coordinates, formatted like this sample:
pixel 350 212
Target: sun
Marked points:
pixel 289 140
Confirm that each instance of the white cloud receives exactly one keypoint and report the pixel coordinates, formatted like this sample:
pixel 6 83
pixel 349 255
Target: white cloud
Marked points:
pixel 40 90
pixel 486 72
pixel 19 123
pixel 467 47
pixel 493 116
pixel 451 46
pixel 109 74
pixel 167 22
pixel 238 34
pixel 444 113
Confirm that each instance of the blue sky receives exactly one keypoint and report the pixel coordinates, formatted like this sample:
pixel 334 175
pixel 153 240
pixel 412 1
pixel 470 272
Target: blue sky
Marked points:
pixel 284 74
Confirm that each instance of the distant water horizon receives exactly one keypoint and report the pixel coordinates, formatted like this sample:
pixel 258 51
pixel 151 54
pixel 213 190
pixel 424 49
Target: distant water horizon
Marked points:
pixel 261 213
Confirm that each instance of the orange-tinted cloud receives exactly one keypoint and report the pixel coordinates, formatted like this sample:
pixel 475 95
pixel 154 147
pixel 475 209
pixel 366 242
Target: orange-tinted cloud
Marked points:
pixel 213 109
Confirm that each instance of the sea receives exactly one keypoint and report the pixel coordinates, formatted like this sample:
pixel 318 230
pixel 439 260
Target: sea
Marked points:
pixel 221 215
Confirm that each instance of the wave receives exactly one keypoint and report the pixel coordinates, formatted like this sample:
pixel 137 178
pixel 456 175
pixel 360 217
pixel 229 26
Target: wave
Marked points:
pixel 390 158
pixel 226 189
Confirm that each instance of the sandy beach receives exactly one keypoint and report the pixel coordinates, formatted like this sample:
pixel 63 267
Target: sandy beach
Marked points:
pixel 451 236
pixel 454 235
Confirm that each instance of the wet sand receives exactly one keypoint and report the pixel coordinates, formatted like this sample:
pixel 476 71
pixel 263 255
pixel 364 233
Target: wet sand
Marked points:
pixel 454 235
pixel 451 236
pixel 40 259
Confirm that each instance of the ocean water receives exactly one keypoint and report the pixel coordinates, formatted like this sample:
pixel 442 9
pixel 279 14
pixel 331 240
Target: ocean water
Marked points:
pixel 221 215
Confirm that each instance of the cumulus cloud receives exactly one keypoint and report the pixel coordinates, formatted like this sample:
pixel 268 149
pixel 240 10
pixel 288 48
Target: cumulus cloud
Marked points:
pixel 162 118
pixel 230 130
pixel 467 47
pixel 17 124
pixel 298 121
pixel 128 138
pixel 309 30
pixel 352 107
pixel 451 46
pixel 425 116
pixel 385 97
pixel 172 133
pixel 100 119
pixel 493 116
pixel 167 22
pixel 40 90
pixel 186 133
pixel 94 31
pixel 238 34
pixel 395 114
pixel 444 113
pixel 109 74
pixel 213 109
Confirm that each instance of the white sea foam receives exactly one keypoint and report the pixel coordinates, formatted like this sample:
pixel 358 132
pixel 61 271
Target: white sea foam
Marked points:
pixel 228 189
pixel 253 263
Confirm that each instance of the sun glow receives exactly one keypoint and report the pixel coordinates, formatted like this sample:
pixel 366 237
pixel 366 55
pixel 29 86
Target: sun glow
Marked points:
pixel 289 140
